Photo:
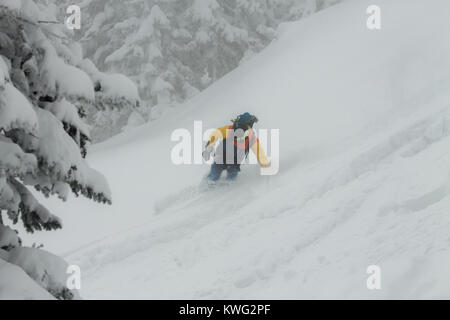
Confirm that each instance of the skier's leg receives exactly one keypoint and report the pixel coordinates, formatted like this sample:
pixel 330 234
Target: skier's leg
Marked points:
pixel 216 171
pixel 232 171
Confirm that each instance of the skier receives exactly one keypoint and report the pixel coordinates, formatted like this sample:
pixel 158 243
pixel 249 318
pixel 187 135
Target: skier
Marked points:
pixel 235 142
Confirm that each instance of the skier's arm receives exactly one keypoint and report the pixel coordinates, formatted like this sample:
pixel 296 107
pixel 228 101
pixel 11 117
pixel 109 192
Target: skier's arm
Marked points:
pixel 217 135
pixel 260 155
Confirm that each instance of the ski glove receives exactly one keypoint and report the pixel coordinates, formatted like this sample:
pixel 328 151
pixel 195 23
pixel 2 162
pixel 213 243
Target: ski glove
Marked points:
pixel 206 154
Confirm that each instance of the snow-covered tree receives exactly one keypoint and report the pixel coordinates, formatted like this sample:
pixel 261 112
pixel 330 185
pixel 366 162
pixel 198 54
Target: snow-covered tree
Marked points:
pixel 46 88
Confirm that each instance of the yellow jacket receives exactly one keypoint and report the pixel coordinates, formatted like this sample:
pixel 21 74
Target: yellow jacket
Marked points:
pixel 223 132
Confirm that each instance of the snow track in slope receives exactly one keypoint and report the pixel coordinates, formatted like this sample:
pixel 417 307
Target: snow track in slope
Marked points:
pixel 319 212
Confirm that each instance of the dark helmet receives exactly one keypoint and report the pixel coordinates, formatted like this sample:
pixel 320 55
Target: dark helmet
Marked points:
pixel 244 120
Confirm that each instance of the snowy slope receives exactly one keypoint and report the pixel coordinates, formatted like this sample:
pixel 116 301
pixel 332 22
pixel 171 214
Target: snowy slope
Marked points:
pixel 364 119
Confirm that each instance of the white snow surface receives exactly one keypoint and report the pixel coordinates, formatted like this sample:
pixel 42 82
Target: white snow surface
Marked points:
pixel 16 284
pixel 21 116
pixel 55 72
pixel 48 270
pixel 364 119
pixel 8 237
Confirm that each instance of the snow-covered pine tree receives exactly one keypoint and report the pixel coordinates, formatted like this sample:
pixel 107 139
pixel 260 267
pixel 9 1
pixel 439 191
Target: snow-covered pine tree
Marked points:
pixel 44 94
